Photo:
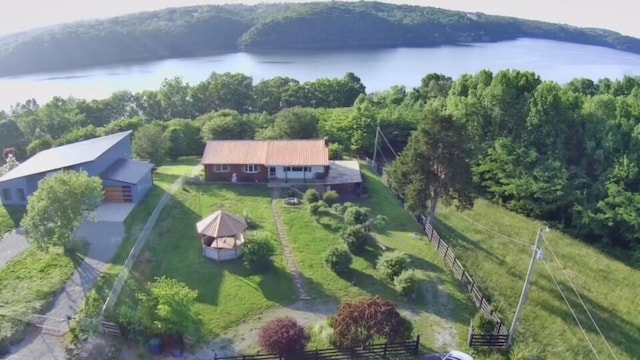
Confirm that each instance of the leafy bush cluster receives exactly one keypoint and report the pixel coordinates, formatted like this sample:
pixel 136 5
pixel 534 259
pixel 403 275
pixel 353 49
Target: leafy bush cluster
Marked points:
pixel 338 260
pixel 330 197
pixel 355 238
pixel 391 264
pixel 283 336
pixel 311 196
pixel 258 250
pixel 356 215
pixel 406 283
pixel 483 324
pixel 315 208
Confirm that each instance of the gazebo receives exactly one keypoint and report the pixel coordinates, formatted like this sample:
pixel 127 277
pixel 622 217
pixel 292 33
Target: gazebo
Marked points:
pixel 222 235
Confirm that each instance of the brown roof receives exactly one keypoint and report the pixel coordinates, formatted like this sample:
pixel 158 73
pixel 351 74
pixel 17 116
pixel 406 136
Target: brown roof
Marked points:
pixel 221 224
pixel 267 152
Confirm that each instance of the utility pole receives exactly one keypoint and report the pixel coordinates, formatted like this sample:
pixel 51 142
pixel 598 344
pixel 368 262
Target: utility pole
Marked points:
pixel 375 150
pixel 525 289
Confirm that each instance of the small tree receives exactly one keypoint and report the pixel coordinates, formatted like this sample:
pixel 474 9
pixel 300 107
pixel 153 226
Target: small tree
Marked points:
pixel 314 209
pixel 258 250
pixel 355 238
pixel 338 260
pixel 149 143
pixel 283 336
pixel 361 323
pixel 391 264
pixel 330 197
pixel 55 210
pixel 311 196
pixel 406 283
pixel 356 215
pixel 167 308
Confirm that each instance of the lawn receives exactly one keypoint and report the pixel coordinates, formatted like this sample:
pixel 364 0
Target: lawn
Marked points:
pixel 163 177
pixel 310 240
pixel 228 292
pixel 499 264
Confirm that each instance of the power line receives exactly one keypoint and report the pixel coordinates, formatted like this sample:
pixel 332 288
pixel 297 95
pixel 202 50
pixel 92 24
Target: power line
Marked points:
pixel 387 141
pixel 496 232
pixel 571 309
pixel 579 298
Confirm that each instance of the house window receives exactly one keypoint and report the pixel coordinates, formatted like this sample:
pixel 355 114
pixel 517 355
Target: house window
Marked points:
pixel 6 194
pixel 296 168
pixel 251 168
pixel 221 168
pixel 21 195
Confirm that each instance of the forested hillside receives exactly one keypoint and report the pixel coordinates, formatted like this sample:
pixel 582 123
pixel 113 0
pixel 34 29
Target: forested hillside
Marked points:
pixel 567 154
pixel 198 30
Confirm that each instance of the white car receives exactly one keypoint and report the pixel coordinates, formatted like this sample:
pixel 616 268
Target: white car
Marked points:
pixel 453 355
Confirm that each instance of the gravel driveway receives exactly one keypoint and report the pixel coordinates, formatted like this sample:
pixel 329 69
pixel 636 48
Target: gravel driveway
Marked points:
pixel 104 239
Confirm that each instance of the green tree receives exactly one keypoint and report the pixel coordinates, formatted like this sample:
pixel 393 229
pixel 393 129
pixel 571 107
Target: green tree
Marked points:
pixel 225 125
pixel 434 166
pixel 11 136
pixel 10 164
pixel 363 121
pixel 174 97
pixel 271 94
pixel 150 144
pixel 167 308
pixel 231 91
pixel 55 210
pixel 296 123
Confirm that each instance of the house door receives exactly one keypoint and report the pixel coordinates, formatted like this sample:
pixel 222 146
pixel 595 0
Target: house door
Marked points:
pixel 118 194
pixel 272 172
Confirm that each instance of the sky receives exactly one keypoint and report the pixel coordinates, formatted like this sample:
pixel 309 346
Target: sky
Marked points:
pixel 617 15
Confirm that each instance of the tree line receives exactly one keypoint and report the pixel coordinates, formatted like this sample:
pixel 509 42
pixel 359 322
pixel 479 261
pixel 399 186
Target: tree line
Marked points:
pixel 199 30
pixel 569 154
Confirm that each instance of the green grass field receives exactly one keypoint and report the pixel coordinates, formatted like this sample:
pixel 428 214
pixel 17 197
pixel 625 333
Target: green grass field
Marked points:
pixel 610 289
pixel 228 292
pixel 310 240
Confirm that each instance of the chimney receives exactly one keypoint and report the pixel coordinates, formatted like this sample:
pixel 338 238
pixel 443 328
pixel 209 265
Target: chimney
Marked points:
pixel 326 141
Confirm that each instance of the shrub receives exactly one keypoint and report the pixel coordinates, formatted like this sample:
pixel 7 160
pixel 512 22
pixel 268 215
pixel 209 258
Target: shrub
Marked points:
pixel 391 264
pixel 355 238
pixel 360 323
pixel 330 197
pixel 483 324
pixel 258 250
pixel 283 336
pixel 406 283
pixel 251 223
pixel 314 208
pixel 311 196
pixel 322 333
pixel 356 215
pixel 338 260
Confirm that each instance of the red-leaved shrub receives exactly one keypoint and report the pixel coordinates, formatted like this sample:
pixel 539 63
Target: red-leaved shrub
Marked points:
pixel 283 336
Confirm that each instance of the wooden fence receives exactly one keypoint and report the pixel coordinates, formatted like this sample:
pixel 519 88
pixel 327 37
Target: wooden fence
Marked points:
pixel 499 336
pixel 375 351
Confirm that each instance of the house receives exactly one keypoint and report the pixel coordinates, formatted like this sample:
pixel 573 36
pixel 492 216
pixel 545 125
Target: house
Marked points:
pixel 279 163
pixel 108 157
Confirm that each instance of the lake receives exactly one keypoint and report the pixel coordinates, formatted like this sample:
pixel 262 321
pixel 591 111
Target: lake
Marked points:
pixel 379 69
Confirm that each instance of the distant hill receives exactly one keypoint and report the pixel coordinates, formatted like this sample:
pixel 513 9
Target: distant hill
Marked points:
pixel 201 30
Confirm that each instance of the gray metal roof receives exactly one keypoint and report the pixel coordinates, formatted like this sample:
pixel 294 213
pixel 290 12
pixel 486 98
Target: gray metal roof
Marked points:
pixel 64 156
pixel 128 171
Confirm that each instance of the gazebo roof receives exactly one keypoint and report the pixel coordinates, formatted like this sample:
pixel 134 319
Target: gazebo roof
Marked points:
pixel 220 224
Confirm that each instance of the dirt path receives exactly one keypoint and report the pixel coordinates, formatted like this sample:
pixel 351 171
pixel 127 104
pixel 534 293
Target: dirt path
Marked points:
pixel 286 248
pixel 438 302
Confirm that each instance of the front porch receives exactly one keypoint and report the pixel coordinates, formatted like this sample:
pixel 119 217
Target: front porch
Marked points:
pixel 339 172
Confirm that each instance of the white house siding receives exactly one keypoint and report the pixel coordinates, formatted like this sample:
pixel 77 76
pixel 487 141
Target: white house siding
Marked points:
pixel 280 173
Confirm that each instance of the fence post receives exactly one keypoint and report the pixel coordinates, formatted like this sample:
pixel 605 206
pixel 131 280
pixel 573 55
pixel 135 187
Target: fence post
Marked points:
pixel 470 340
pixel 446 251
pixel 417 346
pixel 462 276
pixel 431 232
pixel 384 350
pixel 438 246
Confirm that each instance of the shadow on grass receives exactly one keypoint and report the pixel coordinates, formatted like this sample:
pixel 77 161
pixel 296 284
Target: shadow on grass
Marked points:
pixel 455 239
pixel 370 284
pixel 616 329
pixel 317 291
pixel 422 264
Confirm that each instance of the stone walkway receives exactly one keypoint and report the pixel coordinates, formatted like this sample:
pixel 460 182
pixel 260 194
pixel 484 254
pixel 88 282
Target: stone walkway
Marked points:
pixel 12 245
pixel 286 248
